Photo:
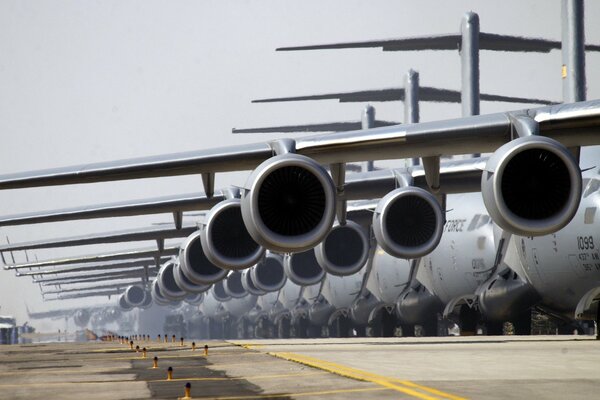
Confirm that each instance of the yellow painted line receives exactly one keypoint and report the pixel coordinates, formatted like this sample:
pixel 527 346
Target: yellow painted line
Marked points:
pixel 234 378
pixel 399 385
pixel 288 395
pixel 251 346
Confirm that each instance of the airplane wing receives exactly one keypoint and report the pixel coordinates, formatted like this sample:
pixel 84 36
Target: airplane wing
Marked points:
pixel 100 293
pixel 324 127
pixel 487 41
pixel 456 176
pixel 119 255
pixel 129 235
pixel 96 267
pixel 573 124
pixel 60 313
pixel 397 94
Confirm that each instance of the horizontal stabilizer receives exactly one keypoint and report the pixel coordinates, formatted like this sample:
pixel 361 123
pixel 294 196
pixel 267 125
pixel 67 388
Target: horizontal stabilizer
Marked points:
pixel 397 94
pixel 487 41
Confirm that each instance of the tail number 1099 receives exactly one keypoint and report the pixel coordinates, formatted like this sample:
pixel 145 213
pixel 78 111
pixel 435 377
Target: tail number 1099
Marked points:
pixel 585 242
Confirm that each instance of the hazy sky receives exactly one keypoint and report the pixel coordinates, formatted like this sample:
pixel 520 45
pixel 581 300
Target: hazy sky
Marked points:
pixel 88 81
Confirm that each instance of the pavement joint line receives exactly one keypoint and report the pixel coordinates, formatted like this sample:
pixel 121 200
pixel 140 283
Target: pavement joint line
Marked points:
pixel 253 377
pixel 166 380
pixel 403 386
pixel 299 394
pixel 225 365
pixel 199 355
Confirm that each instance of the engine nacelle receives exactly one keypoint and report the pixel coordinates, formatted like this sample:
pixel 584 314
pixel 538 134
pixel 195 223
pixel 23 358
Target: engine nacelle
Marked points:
pixel 147 302
pixel 125 306
pixel 249 284
pixel 135 295
pixel 269 275
pixel 167 284
pixel 184 283
pixel 225 239
pixel 303 268
pixel 289 203
pixel 194 299
pixel 219 293
pixel 408 222
pixel 194 264
pixel 82 317
pixel 344 250
pixel 157 296
pixel 233 285
pixel 531 186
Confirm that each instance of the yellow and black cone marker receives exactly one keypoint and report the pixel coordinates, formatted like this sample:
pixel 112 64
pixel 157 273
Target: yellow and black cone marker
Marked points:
pixel 181 342
pixel 173 339
pixel 131 344
pixel 137 349
pixel 144 352
pixel 170 373
pixel 158 340
pixel 155 363
pixel 205 350
pixel 188 392
pixel 193 346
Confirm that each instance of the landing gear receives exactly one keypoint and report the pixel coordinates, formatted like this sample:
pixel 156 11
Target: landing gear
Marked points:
pixel 340 327
pixel 430 327
pixel 468 318
pixel 522 323
pixel 598 321
pixel 284 328
pixel 301 328
pixel 407 330
pixel 494 328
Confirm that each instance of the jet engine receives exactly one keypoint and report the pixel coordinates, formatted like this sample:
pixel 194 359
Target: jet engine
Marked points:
pixel 289 203
pixel 157 295
pixel 225 239
pixel 344 250
pixel 194 299
pixel 81 317
pixel 135 295
pixel 167 284
pixel 194 264
pixel 147 302
pixel 218 292
pixel 125 306
pixel 269 275
pixel 408 222
pixel 303 268
pixel 184 283
pixel 233 285
pixel 249 284
pixel 531 186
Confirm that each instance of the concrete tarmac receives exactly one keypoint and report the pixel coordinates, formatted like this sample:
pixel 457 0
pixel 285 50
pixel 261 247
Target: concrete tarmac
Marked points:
pixel 506 367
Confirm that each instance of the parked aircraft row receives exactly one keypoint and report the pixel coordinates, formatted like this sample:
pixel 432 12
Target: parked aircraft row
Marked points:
pixel 424 242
